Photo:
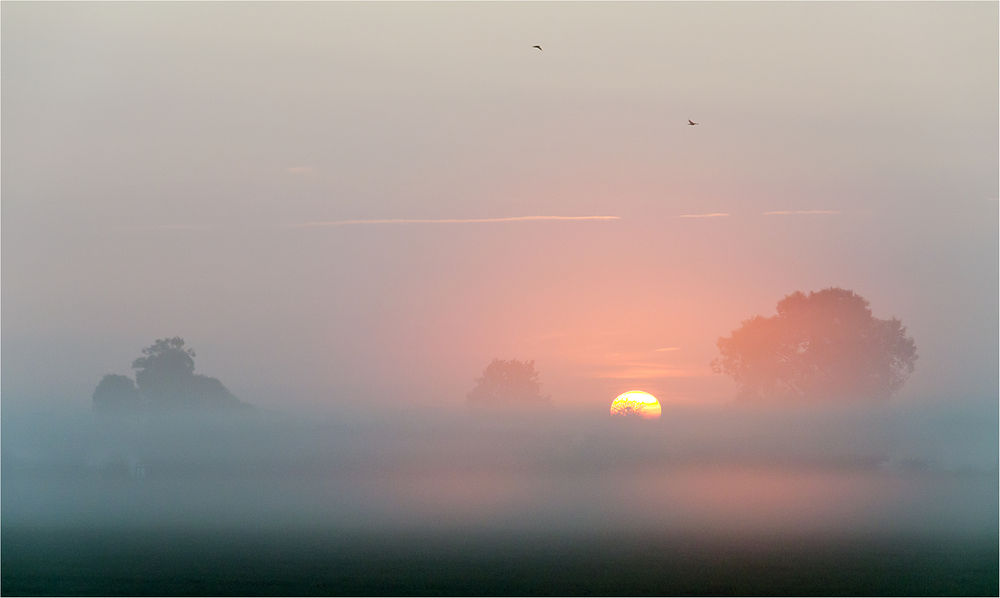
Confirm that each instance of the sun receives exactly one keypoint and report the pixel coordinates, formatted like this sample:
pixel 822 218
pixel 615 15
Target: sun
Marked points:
pixel 636 403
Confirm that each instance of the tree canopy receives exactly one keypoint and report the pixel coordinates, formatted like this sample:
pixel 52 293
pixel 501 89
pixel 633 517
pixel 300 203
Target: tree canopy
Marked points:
pixel 165 378
pixel 825 345
pixel 166 371
pixel 508 382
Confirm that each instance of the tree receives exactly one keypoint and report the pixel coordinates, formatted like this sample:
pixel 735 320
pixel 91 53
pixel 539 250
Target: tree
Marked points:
pixel 115 394
pixel 166 378
pixel 824 345
pixel 166 371
pixel 628 408
pixel 510 382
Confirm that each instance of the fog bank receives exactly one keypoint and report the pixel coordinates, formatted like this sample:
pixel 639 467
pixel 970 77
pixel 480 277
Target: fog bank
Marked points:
pixel 720 470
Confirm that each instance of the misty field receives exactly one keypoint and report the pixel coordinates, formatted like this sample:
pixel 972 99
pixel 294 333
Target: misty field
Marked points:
pixel 432 502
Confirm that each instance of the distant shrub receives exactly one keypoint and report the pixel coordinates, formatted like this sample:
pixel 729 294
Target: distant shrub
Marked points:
pixel 508 382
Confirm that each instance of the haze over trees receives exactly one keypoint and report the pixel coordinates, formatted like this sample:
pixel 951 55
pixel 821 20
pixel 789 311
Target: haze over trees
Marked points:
pixel 164 379
pixel 825 345
pixel 508 382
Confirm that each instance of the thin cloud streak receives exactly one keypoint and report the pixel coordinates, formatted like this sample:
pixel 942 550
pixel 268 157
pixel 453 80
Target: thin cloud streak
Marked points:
pixel 449 220
pixel 783 212
pixel 166 227
pixel 385 221
pixel 702 215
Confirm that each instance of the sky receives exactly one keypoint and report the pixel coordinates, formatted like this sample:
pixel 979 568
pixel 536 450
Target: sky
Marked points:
pixel 336 204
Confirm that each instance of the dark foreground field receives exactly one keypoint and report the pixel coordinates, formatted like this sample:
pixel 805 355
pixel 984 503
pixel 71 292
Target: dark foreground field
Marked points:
pixel 90 562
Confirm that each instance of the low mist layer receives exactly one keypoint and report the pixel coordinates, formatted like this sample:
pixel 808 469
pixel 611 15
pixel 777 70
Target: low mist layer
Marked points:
pixel 726 470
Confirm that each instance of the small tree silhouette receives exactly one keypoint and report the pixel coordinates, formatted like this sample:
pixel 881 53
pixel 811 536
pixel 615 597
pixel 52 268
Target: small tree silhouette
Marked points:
pixel 166 370
pixel 628 408
pixel 510 382
pixel 166 379
pixel 116 393
pixel 824 345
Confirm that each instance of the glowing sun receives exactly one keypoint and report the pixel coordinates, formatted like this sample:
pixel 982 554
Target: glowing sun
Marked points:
pixel 638 403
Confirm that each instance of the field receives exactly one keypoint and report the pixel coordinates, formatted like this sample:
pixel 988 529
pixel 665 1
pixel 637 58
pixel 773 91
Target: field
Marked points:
pixel 162 562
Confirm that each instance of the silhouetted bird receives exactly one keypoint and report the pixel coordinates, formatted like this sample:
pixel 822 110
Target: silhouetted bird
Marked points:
pixel 539 47
pixel 691 122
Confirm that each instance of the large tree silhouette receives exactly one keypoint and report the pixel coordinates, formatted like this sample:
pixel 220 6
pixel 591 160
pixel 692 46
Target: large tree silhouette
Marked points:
pixel 826 345
pixel 510 382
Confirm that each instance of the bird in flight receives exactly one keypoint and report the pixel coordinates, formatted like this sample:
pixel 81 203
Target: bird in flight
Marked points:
pixel 539 47
pixel 691 122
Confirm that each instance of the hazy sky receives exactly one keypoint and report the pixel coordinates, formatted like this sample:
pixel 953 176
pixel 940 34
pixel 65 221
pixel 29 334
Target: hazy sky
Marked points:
pixel 173 169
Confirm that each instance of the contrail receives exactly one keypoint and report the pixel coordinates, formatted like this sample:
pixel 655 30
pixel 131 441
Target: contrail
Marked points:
pixel 166 227
pixel 702 215
pixel 449 220
pixel 384 221
pixel 782 212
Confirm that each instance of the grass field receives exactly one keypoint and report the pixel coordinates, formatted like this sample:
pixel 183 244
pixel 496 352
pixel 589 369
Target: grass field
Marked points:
pixel 172 562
